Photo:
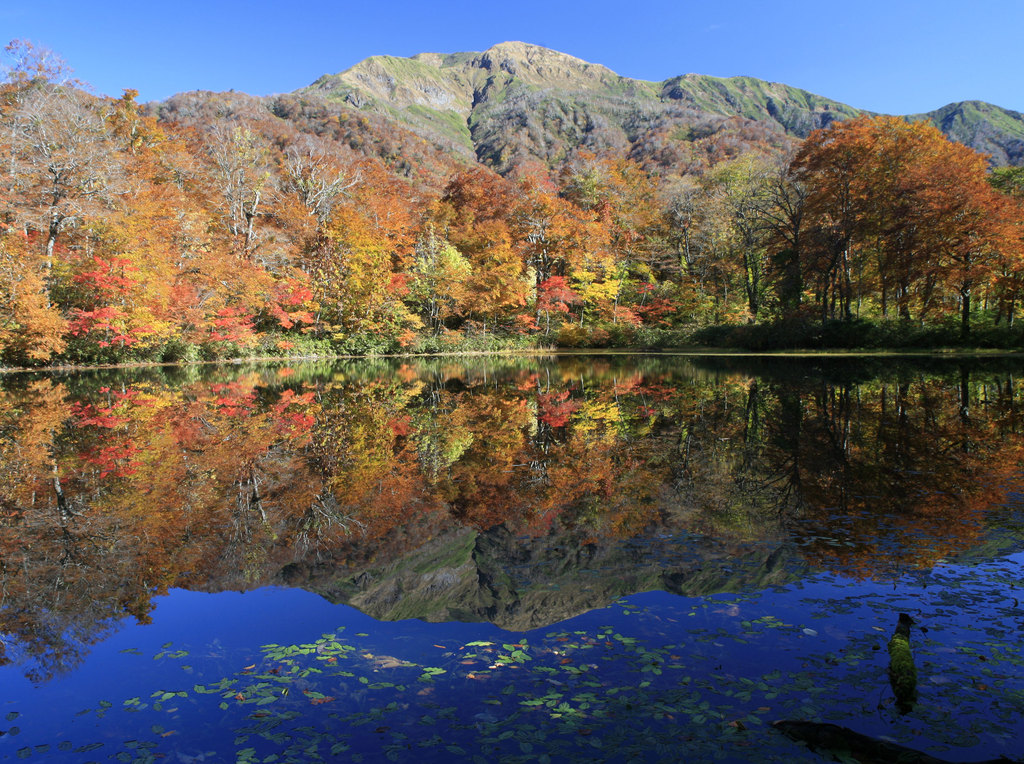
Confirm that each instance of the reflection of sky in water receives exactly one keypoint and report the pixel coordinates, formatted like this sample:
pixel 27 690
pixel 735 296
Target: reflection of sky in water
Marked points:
pixel 819 648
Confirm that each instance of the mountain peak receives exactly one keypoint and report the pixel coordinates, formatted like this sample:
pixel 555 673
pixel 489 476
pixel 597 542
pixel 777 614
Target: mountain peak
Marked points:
pixel 455 83
pixel 541 66
pixel 534 54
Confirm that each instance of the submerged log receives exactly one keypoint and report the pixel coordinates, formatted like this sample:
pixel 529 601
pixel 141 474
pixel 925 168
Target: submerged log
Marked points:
pixel 831 739
pixel 902 671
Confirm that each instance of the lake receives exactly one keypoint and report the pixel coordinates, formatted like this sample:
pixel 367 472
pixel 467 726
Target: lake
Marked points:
pixel 575 558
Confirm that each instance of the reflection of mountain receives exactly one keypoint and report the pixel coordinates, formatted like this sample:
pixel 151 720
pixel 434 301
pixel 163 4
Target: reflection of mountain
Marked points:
pixel 527 583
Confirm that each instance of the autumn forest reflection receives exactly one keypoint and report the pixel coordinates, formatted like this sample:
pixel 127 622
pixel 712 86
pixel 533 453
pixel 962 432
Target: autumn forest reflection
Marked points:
pixel 515 491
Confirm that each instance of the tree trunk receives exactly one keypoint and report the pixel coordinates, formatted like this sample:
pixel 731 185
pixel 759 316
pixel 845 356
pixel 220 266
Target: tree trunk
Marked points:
pixel 831 738
pixel 965 311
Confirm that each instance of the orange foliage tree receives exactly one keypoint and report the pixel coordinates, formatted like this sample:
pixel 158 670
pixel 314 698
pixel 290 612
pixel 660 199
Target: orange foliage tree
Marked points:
pixel 899 214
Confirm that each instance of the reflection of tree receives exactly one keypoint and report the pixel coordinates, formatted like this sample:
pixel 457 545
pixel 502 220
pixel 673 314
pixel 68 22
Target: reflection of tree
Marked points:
pixel 51 542
pixel 112 494
pixel 870 477
pixel 730 476
pixel 93 528
pixel 897 476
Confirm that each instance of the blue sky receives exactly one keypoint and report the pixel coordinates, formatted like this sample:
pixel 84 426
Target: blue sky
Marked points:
pixel 899 56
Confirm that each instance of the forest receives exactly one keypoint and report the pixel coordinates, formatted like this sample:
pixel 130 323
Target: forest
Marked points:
pixel 220 225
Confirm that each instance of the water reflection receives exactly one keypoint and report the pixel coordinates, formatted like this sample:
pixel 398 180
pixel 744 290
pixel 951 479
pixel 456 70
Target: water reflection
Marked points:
pixel 516 491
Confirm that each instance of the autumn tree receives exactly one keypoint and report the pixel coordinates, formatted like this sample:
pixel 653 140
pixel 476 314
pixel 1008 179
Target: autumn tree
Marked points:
pixel 62 168
pixel 898 210
pixel 623 251
pixel 28 67
pixel 740 188
pixel 359 266
pixel 473 215
pixel 31 327
pixel 691 255
pixel 316 176
pixel 554 239
pixel 782 207
pixel 967 225
pixel 439 280
pixel 137 132
pixel 240 157
pixel 831 165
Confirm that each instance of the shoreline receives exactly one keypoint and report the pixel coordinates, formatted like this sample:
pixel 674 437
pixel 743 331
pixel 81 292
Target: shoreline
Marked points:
pixel 682 352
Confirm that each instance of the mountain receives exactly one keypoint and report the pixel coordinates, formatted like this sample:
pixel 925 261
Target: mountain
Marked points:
pixel 516 103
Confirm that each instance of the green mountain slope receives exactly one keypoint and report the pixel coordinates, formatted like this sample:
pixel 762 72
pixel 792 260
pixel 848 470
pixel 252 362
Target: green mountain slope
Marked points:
pixel 795 111
pixel 982 126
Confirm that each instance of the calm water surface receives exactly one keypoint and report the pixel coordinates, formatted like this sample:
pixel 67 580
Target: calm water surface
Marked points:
pixel 579 558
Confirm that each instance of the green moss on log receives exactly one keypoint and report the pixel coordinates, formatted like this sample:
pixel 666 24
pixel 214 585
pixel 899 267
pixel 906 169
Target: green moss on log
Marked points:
pixel 902 671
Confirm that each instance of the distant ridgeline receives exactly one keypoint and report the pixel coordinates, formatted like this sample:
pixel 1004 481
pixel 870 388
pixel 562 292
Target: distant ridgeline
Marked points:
pixel 513 198
pixel 516 102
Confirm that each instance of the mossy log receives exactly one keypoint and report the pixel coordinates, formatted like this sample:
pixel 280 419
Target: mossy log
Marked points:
pixel 902 671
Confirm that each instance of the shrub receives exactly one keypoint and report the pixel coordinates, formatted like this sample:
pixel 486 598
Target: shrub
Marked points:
pixel 176 350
